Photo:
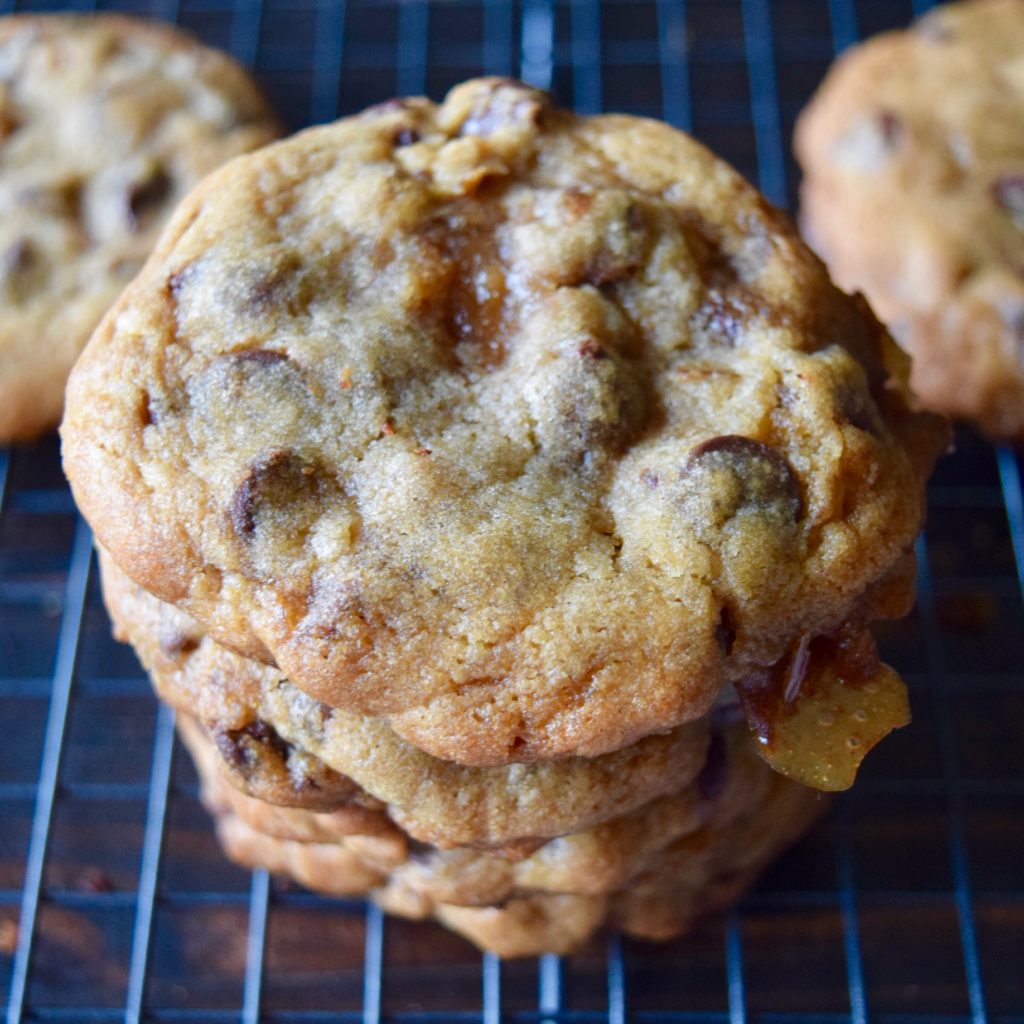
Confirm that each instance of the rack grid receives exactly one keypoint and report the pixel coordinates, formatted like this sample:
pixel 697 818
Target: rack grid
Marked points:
pixel 905 907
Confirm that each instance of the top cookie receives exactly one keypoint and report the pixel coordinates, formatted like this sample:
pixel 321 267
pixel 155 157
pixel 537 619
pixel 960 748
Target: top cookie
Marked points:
pixel 914 192
pixel 105 123
pixel 527 432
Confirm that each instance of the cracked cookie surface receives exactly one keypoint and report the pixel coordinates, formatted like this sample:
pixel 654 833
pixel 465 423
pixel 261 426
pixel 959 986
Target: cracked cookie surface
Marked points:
pixel 914 193
pixel 106 122
pixel 526 432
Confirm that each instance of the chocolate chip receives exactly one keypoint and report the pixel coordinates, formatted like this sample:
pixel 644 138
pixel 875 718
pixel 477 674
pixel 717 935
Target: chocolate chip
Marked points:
pixel 278 479
pixel 1009 194
pixel 506 103
pixel 762 478
pixel 854 407
pixel 712 777
pixel 240 747
pixel 406 137
pixel 230 746
pixel 266 735
pixel 145 196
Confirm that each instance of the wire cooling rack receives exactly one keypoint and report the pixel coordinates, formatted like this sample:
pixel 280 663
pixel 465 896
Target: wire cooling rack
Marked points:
pixel 906 906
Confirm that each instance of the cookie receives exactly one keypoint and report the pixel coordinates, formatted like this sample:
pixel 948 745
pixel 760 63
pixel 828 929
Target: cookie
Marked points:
pixel 529 433
pixel 592 861
pixel 106 122
pixel 283 747
pixel 688 875
pixel 913 193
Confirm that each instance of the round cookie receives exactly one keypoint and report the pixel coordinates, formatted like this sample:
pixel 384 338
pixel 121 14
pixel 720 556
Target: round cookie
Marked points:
pixel 283 747
pixel 913 193
pixel 524 431
pixel 105 123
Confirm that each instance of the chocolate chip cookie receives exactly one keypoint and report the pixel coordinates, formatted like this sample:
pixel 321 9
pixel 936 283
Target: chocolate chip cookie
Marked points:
pixel 105 123
pixel 526 432
pixel 914 193
pixel 653 873
pixel 286 749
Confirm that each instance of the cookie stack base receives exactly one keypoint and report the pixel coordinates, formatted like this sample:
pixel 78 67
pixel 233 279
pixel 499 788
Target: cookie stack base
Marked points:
pixel 701 870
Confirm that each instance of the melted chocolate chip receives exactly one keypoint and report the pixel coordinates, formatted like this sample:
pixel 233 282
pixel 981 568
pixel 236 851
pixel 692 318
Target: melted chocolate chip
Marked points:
pixel 240 747
pixel 506 104
pixel 276 480
pixel 266 735
pixel 144 197
pixel 231 749
pixel 766 481
pixel 853 406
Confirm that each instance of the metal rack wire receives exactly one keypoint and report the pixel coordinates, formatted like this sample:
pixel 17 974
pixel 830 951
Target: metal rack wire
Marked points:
pixel 907 906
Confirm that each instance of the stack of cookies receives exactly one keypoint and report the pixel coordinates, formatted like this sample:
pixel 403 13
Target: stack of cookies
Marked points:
pixel 502 498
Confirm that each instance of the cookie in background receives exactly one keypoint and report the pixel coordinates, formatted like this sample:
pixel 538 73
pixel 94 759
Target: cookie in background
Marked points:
pixel 913 192
pixel 106 123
